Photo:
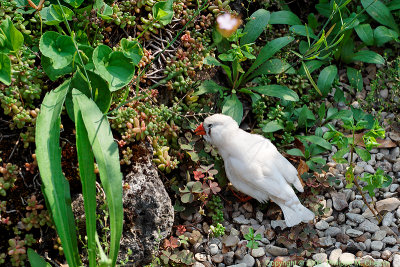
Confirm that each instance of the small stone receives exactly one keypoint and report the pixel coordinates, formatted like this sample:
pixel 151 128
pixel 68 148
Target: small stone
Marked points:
pixel 396 260
pixel 389 240
pixel 248 207
pixel 332 231
pixel 376 245
pixel 244 229
pixel 334 256
pixel 355 217
pixel 278 223
pixel 235 232
pixel 396 166
pixel 388 204
pixel 194 237
pixel 368 226
pixel 200 257
pixel 384 93
pixel 320 257
pixel 353 232
pixel 393 187
pixel 347 258
pixel 367 260
pixel 240 252
pixel 276 251
pixel 376 254
pixel 217 258
pixel 269 234
pixel 239 265
pixel 363 237
pixel 341 218
pixel 322 225
pixel 358 169
pixel 367 245
pixel 386 254
pixel 258 252
pixel 198 264
pixel 259 216
pixel 379 235
pixel 339 201
pixel 248 260
pixel 213 249
pixel 228 258
pixel 230 240
pixel 326 241
pixel 342 238
pixel 241 220
pixel 379 156
pixel 398 213
pixel 388 219
pixel 369 168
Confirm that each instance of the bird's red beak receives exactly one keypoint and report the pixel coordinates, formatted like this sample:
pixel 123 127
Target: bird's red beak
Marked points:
pixel 200 130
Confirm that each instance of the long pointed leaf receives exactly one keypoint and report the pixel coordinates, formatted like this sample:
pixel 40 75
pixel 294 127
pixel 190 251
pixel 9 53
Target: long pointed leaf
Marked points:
pixel 106 153
pixel 35 260
pixel 88 180
pixel 55 186
pixel 257 23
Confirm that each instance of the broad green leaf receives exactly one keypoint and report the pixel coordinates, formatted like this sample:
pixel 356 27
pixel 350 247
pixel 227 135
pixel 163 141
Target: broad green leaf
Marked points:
pixel 338 156
pixel 233 107
pixel 5 69
pixel 272 126
pixel 11 39
pixel 256 25
pixel 393 5
pixel 326 78
pixel 52 15
pixel 317 141
pixel 59 48
pixel 269 50
pixel 302 121
pixel 209 86
pixel 368 56
pixel 355 78
pixel 379 12
pixel 295 152
pixel 363 153
pixel 53 73
pixel 54 185
pixel 74 3
pixel 114 67
pixel 275 90
pixel 214 62
pixel 103 10
pixel 318 160
pixel 312 66
pixel 310 78
pixel 35 260
pixel 88 180
pixel 163 12
pixel 106 153
pixel 273 66
pixel 364 31
pixel 321 111
pixel 302 31
pixel 284 17
pixel 132 50
pixel 383 35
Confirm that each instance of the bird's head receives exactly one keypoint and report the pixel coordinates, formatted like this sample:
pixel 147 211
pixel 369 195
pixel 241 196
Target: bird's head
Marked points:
pixel 217 128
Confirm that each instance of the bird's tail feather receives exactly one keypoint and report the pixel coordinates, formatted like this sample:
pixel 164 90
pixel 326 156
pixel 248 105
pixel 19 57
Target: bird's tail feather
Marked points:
pixel 296 214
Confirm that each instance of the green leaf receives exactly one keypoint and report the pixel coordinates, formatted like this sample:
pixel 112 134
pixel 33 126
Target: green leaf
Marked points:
pixel 74 3
pixel 233 107
pixel 379 12
pixel 5 69
pixel 275 90
pixel 312 65
pixel 321 111
pixel 318 160
pixel 59 48
pixel 284 17
pixel 317 140
pixel 338 156
pixel 302 31
pixel 269 50
pixel 383 35
pixel 132 50
pixel 52 15
pixel 55 186
pixel 11 39
pixel 256 25
pixel 326 78
pixel 368 56
pixel 214 62
pixel 114 67
pixel 364 31
pixel 88 180
pixel 35 260
pixel 355 78
pixel 273 66
pixel 394 5
pixel 163 12
pixel 272 126
pixel 209 86
pixel 103 10
pixel 364 154
pixel 106 153
pixel 53 73
pixel 302 121
pixel 295 152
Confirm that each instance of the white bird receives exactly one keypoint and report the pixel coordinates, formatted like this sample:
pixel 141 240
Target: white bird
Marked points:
pixel 255 167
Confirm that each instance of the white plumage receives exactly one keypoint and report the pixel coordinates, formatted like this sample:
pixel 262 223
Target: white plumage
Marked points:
pixel 255 167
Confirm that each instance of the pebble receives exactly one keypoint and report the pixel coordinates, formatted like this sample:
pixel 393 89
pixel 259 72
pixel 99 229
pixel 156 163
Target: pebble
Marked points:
pixel 396 166
pixel 326 241
pixel 353 232
pixel 320 257
pixel 368 244
pixel 258 252
pixel 248 207
pixel 278 223
pixel 388 204
pixel 194 237
pixel 376 254
pixel 276 251
pixel 347 258
pixel 244 229
pixel 322 225
pixel 334 256
pixel 200 257
pixel 393 187
pixel 376 245
pixel 213 249
pixel 248 260
pixel 259 216
pixel 228 258
pixel 388 219
pixel 342 238
pixel 355 217
pixel 339 201
pixel 198 264
pixel 389 240
pixel 369 168
pixel 241 220
pixel 379 235
pixel 398 212
pixel 341 218
pixel 367 226
pixel 239 265
pixel 332 231
pixel 386 254
pixel 396 260
pixel 230 240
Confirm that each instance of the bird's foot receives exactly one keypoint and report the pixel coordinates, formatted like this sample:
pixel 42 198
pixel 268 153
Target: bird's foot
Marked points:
pixel 241 197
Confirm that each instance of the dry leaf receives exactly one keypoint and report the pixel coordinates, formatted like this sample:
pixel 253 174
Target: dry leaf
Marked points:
pixel 301 169
pixel 384 143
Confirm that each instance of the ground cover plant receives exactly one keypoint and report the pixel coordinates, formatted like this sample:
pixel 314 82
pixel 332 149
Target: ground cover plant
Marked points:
pixel 83 83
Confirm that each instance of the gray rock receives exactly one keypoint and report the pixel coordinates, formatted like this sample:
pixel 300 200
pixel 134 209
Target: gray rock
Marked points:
pixel 239 265
pixel 341 218
pixel 379 235
pixel 259 216
pixel 279 223
pixel 147 210
pixel 367 226
pixel 230 240
pixel 198 264
pixel 357 218
pixel 379 156
pixel 389 240
pixel 396 260
pixel 217 258
pixel 326 241
pixel 376 245
pixel 353 232
pixel 339 201
pixel 367 244
pixel 334 256
pixel 394 136
pixel 388 219
pixel 358 169
pixel 384 93
pixel 384 165
pixel 347 258
pixel 393 187
pixel 398 212
pixel 369 169
pixel 320 257
pixel 235 232
pixel 396 166
pixel 228 258
pixel 200 257
pixel 332 231
pixel 248 260
pixel 244 229
pixel 258 252
pixel 376 254
pixel 276 251
pixel 214 249
pixel 322 225
pixel 241 220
